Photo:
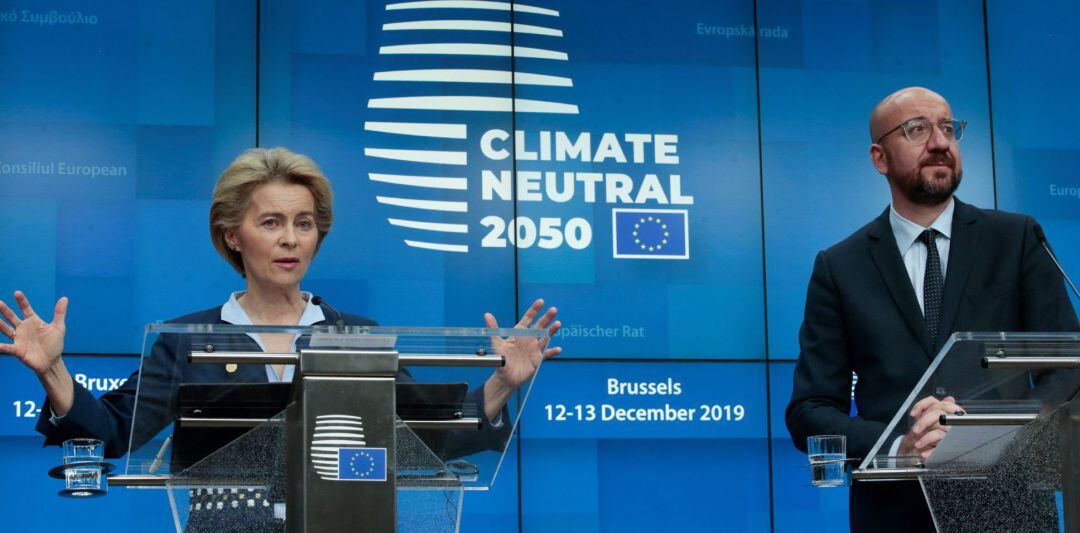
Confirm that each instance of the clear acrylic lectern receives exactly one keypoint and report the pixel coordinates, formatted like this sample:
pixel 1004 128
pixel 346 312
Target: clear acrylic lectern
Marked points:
pixel 1012 457
pixel 380 429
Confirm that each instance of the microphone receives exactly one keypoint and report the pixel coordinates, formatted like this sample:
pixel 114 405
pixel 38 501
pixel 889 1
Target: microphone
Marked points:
pixel 1041 237
pixel 317 300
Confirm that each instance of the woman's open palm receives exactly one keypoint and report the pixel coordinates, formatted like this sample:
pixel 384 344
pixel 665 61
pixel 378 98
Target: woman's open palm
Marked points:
pixel 38 344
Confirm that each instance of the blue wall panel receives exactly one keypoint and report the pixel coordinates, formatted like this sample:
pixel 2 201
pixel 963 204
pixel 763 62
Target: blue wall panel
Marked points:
pixel 656 75
pixel 134 103
pixel 688 452
pixel 1035 136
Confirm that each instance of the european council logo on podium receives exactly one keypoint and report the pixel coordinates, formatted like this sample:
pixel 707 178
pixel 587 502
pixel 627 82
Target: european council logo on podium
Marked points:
pixel 362 464
pixel 650 233
pixel 339 452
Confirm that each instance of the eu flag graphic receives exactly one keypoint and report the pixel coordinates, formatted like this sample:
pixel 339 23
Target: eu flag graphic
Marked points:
pixel 362 464
pixel 650 233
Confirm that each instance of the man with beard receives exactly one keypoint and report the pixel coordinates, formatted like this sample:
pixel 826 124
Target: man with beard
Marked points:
pixel 882 302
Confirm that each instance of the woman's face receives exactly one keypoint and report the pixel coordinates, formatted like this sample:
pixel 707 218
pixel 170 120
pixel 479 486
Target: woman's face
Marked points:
pixel 277 237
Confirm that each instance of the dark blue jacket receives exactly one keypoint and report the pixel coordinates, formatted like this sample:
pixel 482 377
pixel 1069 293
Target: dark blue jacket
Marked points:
pixel 110 417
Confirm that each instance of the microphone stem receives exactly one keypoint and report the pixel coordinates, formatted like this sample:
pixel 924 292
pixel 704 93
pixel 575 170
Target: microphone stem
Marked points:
pixel 318 300
pixel 1062 270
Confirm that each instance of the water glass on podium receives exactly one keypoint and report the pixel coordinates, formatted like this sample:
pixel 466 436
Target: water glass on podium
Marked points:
pixel 828 460
pixel 84 473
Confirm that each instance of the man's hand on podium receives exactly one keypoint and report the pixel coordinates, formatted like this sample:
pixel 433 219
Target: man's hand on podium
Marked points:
pixel 926 430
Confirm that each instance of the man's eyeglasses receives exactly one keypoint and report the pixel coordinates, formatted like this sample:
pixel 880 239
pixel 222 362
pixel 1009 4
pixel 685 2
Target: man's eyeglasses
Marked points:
pixel 918 130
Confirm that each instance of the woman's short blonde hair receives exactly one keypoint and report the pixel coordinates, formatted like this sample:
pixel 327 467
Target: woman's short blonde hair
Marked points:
pixel 260 166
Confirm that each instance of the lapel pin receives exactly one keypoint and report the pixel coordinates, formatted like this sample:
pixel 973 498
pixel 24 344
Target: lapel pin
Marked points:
pixel 230 368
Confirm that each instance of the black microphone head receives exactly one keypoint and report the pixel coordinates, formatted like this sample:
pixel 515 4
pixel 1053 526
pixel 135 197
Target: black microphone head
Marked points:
pixel 317 300
pixel 1039 234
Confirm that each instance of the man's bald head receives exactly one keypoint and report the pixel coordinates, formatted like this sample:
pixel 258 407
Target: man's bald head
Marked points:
pixel 886 114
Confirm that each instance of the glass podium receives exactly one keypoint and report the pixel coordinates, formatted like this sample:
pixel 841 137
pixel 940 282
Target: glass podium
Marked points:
pixel 379 429
pixel 1012 456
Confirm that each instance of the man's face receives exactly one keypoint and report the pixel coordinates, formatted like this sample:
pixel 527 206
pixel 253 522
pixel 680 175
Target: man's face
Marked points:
pixel 926 174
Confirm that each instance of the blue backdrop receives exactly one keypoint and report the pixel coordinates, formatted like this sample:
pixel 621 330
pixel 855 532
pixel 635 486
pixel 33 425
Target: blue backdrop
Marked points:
pixel 664 172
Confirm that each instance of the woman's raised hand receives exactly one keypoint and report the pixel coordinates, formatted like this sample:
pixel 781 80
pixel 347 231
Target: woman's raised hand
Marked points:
pixel 38 344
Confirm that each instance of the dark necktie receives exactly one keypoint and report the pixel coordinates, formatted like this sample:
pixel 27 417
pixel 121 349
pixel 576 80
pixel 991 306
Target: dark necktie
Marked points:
pixel 933 284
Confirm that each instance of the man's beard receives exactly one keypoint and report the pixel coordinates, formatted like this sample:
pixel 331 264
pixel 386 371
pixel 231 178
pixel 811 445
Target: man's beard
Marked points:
pixel 932 190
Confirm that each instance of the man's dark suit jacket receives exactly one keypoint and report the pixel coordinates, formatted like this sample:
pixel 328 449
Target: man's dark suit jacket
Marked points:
pixel 862 316
pixel 110 417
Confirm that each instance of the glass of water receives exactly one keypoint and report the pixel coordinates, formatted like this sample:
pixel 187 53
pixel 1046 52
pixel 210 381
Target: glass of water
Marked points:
pixel 84 451
pixel 828 457
pixel 85 476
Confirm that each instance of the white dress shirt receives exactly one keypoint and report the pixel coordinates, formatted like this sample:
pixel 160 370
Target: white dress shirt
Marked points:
pixel 233 313
pixel 913 251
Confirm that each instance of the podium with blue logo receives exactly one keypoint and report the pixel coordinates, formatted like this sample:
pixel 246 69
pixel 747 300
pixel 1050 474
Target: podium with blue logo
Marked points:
pixel 379 429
